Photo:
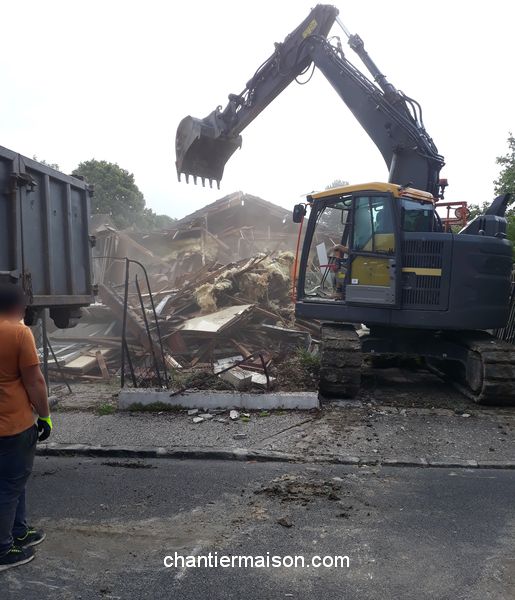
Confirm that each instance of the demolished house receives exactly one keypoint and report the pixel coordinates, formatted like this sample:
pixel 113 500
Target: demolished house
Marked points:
pixel 218 306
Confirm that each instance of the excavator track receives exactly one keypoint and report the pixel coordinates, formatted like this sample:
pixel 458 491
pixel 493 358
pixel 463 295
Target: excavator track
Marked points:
pixel 340 361
pixel 489 374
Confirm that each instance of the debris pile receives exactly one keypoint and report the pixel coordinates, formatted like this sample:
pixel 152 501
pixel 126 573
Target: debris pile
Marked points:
pixel 223 326
pixel 208 303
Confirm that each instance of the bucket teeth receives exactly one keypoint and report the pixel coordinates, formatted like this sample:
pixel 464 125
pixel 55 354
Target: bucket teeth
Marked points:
pixel 196 177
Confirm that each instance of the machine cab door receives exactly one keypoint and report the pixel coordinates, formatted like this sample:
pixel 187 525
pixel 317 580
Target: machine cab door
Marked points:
pixel 371 275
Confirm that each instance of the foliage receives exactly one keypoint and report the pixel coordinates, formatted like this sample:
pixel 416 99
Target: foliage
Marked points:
pixel 476 209
pixel 106 409
pixel 308 360
pixel 299 371
pixel 117 195
pixel 48 164
pixel 336 183
pixel 505 183
pixel 156 407
pixel 149 220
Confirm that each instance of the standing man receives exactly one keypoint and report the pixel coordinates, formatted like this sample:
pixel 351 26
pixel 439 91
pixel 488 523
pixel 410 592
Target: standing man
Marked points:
pixel 22 393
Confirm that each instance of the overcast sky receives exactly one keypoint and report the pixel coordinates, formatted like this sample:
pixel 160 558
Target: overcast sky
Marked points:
pixel 111 80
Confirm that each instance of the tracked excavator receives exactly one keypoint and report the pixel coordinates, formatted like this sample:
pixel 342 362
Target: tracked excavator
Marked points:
pixel 377 254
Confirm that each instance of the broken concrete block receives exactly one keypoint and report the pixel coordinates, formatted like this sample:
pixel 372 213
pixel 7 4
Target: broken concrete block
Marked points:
pixel 234 415
pixel 237 377
pixel 206 416
pixel 197 419
pixel 224 363
pixel 192 412
pixel 259 379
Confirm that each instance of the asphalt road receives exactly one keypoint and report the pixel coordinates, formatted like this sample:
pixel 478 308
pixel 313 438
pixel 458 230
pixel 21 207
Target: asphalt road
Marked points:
pixel 407 532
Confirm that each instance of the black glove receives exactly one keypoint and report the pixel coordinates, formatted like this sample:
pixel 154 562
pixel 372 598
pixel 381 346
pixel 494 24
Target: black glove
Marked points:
pixel 44 428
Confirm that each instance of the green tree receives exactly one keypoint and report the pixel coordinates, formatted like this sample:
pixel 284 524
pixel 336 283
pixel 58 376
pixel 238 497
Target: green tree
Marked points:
pixel 116 192
pixel 148 220
pixel 475 209
pixel 505 183
pixel 45 162
pixel 336 183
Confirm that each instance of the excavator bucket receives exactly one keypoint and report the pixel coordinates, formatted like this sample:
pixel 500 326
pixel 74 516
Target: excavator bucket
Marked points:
pixel 201 151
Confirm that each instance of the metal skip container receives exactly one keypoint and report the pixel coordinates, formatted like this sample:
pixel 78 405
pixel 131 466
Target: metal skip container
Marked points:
pixel 45 246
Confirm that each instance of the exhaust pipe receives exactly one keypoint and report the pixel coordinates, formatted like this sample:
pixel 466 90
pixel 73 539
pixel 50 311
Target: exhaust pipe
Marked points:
pixel 201 150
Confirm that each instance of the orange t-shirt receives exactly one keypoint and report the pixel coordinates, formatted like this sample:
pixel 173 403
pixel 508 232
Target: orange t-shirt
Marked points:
pixel 17 349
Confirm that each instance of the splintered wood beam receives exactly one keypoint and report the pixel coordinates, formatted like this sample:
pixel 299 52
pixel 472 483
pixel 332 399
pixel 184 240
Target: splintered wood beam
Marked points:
pixel 102 364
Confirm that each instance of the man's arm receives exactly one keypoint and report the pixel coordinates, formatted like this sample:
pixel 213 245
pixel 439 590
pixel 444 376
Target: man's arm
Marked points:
pixel 34 384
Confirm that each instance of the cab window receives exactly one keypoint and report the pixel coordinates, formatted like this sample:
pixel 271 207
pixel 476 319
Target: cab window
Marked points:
pixel 327 260
pixel 416 215
pixel 373 224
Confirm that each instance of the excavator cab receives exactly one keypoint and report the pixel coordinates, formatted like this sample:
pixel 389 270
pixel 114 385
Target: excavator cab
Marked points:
pixel 377 254
pixel 353 242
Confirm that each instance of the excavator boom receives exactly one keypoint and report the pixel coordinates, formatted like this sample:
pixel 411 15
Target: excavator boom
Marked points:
pixel 391 119
pixel 203 146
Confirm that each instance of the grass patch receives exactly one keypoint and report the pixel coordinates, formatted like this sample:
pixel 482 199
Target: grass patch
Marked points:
pixel 299 372
pixel 156 407
pixel 106 409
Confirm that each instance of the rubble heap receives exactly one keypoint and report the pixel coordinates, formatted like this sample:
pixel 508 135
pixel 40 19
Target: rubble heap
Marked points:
pixel 220 285
pixel 224 325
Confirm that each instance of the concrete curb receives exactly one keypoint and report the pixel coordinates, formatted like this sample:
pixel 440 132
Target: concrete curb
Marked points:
pixel 129 399
pixel 244 454
pixel 162 452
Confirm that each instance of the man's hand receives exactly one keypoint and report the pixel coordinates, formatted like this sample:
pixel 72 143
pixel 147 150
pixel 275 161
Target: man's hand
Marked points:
pixel 44 428
pixel 35 386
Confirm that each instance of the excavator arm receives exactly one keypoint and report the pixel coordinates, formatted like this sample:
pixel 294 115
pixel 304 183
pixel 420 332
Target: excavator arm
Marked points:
pixel 392 120
pixel 203 146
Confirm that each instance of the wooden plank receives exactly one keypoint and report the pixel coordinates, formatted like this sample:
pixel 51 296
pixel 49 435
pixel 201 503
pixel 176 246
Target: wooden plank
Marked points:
pixel 241 348
pixel 102 364
pixel 86 362
pixel 135 325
